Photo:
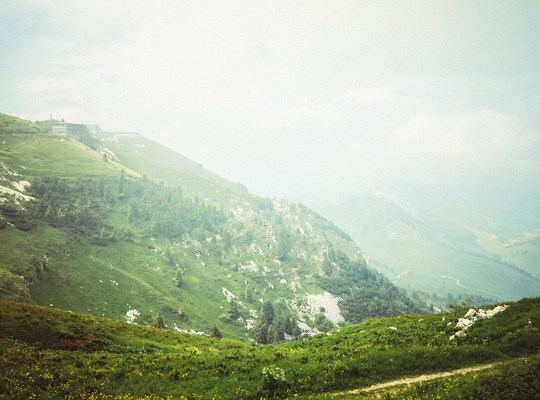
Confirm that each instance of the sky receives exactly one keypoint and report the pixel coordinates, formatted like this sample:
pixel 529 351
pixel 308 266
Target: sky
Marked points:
pixel 297 99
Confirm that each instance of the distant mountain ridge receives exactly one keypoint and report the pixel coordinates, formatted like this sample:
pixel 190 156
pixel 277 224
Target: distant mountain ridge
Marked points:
pixel 436 255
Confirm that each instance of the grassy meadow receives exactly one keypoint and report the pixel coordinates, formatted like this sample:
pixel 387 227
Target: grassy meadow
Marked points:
pixel 51 354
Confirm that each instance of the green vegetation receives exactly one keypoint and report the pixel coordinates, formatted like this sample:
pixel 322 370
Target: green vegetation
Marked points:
pixel 85 233
pixel 164 165
pixel 53 354
pixel 437 256
pixel 517 379
pixel 51 154
pixel 10 124
pixel 365 293
pixel 85 205
pixel 514 379
pixel 81 231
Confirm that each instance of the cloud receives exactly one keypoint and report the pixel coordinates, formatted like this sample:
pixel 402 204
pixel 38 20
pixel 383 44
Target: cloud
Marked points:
pixel 471 136
pixel 377 96
pixel 319 91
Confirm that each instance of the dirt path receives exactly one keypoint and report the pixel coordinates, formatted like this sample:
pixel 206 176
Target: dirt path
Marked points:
pixel 422 378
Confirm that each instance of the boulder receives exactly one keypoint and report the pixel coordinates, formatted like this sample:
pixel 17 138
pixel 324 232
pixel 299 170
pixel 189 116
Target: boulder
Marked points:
pixel 496 310
pixel 464 323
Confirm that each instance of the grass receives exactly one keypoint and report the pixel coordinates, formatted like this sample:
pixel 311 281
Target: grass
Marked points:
pixel 162 164
pixel 44 154
pixel 513 379
pixel 111 359
pixel 73 281
pixel 10 125
pixel 28 255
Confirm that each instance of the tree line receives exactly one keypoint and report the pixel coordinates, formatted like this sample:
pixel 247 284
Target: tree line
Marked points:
pixel 85 206
pixel 364 292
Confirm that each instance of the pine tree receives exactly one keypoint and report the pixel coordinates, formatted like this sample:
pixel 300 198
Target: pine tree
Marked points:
pixel 268 312
pixel 215 332
pixel 260 331
pixel 178 279
pixel 159 322
pixel 234 313
pixel 275 332
pixel 249 295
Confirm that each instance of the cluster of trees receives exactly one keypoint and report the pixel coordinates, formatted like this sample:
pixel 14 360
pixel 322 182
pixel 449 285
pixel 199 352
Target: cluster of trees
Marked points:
pixel 166 211
pixel 81 205
pixel 85 207
pixel 449 301
pixel 364 292
pixel 232 314
pixel 271 326
pixel 21 219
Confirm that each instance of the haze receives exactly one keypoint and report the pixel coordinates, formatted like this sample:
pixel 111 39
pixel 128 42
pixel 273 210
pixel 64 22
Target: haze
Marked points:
pixel 434 101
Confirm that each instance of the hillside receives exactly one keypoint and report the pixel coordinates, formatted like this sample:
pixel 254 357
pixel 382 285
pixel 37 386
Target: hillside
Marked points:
pixel 10 124
pixel 53 354
pixel 162 164
pixel 435 255
pixel 133 231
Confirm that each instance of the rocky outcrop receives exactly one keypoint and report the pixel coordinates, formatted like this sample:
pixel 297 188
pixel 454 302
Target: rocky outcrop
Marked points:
pixel 472 316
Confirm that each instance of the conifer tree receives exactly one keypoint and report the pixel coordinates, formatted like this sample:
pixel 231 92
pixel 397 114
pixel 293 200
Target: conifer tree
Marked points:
pixel 234 313
pixel 215 332
pixel 159 322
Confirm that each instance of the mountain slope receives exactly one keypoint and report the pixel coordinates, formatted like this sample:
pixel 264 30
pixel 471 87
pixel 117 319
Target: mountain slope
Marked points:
pixel 53 354
pixel 10 124
pixel 162 164
pixel 86 233
pixel 427 254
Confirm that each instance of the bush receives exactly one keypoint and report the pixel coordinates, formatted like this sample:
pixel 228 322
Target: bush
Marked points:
pixel 274 381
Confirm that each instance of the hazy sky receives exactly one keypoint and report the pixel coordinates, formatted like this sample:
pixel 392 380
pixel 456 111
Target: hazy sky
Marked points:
pixel 294 97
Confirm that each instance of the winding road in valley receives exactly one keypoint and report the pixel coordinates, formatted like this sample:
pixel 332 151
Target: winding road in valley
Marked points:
pixel 458 283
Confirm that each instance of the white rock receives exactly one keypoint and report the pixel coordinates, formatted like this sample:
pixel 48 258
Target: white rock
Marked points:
pixel 330 304
pixel 131 315
pixel 470 313
pixel 496 310
pixel 464 323
pixel 228 294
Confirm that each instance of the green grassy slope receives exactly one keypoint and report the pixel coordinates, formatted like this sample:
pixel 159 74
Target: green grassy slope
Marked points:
pixel 98 239
pixel 53 354
pixel 10 124
pixel 28 257
pixel 163 164
pixel 516 378
pixel 25 153
pixel 32 155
